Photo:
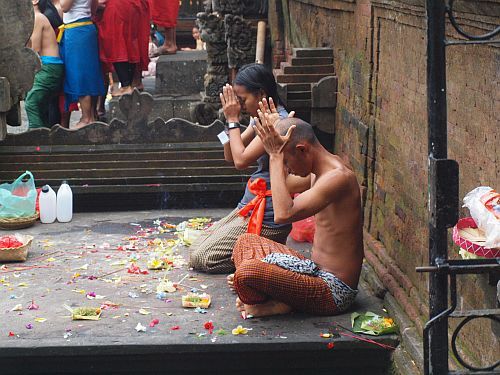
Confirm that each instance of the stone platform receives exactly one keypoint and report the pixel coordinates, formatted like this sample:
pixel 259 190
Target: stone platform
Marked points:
pixel 178 83
pixel 69 262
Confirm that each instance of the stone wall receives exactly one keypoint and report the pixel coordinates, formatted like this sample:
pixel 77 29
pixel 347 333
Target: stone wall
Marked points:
pixel 381 124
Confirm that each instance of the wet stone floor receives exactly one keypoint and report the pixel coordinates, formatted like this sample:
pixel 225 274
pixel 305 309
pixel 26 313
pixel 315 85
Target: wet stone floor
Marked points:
pixel 101 260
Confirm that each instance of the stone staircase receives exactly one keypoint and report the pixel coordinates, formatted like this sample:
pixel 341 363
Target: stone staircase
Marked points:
pixel 307 84
pixel 131 157
pixel 304 68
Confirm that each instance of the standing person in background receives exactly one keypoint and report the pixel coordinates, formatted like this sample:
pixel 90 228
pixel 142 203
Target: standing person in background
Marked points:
pixel 143 19
pixel 123 28
pixel 78 42
pixel 164 15
pixel 48 80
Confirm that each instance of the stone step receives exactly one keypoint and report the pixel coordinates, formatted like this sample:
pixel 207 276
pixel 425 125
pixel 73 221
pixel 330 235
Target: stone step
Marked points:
pixel 164 107
pixel 307 69
pixel 296 87
pixel 118 156
pixel 299 61
pixel 313 52
pixel 109 173
pixel 295 104
pixel 181 74
pixel 133 163
pixel 299 78
pixel 299 95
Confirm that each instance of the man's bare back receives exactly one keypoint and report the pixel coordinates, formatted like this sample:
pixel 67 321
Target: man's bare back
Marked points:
pixel 338 242
pixel 43 39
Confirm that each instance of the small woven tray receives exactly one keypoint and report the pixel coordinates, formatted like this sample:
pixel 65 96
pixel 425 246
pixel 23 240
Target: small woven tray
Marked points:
pixel 16 254
pixel 18 222
pixel 471 246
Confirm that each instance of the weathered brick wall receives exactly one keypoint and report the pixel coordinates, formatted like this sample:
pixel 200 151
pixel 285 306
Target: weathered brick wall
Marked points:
pixel 381 124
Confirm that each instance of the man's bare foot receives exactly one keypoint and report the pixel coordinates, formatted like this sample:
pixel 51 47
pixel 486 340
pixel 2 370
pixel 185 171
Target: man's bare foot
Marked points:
pixel 164 50
pixel 267 309
pixel 230 281
pixel 240 305
pixel 122 90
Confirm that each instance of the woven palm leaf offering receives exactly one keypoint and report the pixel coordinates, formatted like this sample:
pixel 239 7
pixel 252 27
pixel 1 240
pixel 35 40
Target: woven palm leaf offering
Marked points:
pixel 370 323
pixel 14 248
pixel 84 313
pixel 201 300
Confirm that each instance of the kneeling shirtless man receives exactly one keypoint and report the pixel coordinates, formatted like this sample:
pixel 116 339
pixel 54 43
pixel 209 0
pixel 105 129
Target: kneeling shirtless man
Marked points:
pixel 272 279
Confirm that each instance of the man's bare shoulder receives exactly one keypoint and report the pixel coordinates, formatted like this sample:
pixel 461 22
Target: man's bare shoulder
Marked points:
pixel 41 20
pixel 338 180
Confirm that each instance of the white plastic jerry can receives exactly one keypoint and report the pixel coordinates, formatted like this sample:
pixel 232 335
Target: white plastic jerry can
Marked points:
pixel 48 205
pixel 64 203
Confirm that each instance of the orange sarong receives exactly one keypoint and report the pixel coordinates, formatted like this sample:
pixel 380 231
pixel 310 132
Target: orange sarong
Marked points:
pixel 258 205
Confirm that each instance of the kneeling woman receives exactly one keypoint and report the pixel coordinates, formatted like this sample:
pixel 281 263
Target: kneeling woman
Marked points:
pixel 212 251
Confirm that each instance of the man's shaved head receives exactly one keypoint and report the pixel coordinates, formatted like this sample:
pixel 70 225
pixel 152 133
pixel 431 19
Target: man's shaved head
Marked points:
pixel 303 131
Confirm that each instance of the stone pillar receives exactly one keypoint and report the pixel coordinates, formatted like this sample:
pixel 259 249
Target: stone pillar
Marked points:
pixel 229 29
pixel 18 63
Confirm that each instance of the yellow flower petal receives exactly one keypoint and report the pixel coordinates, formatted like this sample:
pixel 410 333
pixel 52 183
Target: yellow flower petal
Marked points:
pixel 240 330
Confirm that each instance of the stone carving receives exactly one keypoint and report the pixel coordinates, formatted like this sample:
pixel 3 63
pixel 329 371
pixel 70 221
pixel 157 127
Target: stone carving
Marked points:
pixel 241 41
pixel 230 39
pixel 256 8
pixel 213 87
pixel 18 63
pixel 134 129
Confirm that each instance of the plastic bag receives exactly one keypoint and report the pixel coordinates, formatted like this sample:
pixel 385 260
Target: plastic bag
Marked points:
pixel 484 206
pixel 18 199
pixel 303 230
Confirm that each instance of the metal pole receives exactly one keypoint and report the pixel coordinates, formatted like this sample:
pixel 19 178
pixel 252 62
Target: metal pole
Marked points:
pixel 437 134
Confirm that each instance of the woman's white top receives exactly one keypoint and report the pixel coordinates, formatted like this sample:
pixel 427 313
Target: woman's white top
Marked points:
pixel 80 9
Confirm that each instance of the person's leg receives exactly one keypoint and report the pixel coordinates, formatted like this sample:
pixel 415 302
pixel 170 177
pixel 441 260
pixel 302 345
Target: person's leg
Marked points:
pixel 125 75
pixel 33 105
pixel 47 82
pixel 101 100
pixel 87 111
pixel 267 289
pixel 164 14
pixel 250 246
pixel 137 78
pixel 65 119
pixel 212 251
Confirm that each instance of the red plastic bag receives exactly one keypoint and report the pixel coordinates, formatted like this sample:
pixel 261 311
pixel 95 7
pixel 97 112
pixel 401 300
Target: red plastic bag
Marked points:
pixel 303 230
pixel 37 205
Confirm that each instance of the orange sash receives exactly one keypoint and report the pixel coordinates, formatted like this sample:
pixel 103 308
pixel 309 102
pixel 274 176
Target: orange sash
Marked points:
pixel 258 204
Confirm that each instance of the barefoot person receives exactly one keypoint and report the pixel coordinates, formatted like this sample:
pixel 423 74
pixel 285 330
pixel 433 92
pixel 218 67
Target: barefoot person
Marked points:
pixel 212 251
pixel 272 279
pixel 120 40
pixel 48 81
pixel 78 42
pixel 164 15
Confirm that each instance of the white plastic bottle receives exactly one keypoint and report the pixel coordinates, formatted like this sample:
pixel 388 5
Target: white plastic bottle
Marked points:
pixel 48 205
pixel 64 203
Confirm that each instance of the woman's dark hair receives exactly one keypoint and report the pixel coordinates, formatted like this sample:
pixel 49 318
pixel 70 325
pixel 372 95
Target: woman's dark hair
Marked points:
pixel 256 77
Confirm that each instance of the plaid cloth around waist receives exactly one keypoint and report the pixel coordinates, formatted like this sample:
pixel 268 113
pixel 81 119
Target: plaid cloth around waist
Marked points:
pixel 343 294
